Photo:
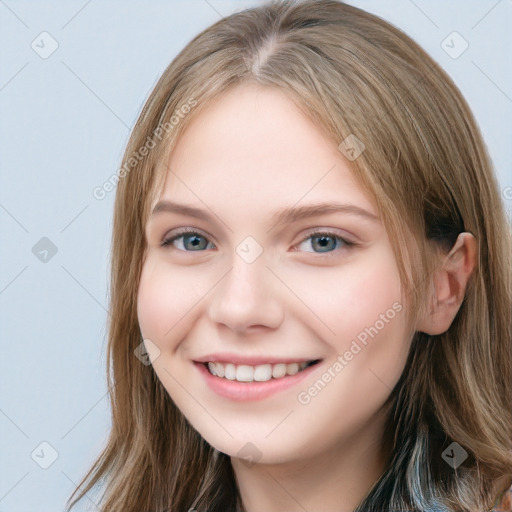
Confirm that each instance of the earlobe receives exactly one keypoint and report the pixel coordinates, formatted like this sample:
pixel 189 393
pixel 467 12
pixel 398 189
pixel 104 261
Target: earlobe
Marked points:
pixel 450 283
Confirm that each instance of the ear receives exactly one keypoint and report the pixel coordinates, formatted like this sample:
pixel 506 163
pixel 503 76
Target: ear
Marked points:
pixel 450 282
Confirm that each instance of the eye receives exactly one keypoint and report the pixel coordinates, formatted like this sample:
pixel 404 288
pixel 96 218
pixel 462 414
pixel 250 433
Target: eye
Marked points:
pixel 188 240
pixel 324 242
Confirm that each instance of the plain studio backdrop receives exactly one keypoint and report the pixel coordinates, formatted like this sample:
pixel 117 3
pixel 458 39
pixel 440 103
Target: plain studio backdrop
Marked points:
pixel 73 78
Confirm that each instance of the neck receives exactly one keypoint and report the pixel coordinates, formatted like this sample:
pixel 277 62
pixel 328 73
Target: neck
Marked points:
pixel 336 481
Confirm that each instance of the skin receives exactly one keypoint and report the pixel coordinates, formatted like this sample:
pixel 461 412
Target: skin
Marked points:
pixel 248 154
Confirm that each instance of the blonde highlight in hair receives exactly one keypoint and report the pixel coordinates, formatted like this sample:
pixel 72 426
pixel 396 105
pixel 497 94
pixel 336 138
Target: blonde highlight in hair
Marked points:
pixel 425 165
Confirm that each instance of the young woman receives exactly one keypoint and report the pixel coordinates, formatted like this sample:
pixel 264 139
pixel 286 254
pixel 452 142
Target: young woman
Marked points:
pixel 311 286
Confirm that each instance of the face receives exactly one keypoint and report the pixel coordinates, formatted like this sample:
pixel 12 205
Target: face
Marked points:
pixel 267 260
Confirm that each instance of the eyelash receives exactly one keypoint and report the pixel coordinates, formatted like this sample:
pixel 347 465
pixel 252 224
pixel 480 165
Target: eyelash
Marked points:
pixel 347 244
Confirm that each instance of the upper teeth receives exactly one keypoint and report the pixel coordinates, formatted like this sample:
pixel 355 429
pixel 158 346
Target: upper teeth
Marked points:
pixel 260 373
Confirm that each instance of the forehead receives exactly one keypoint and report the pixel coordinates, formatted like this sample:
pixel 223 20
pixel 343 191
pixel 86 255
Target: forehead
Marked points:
pixel 253 146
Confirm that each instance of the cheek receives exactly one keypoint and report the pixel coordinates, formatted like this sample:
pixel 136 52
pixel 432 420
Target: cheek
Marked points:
pixel 364 307
pixel 166 302
pixel 352 297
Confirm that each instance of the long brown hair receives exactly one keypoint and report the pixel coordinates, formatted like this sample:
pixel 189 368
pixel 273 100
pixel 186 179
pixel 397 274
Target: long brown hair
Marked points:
pixel 426 166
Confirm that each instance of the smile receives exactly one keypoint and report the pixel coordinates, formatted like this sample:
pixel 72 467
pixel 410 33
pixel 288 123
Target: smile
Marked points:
pixel 258 373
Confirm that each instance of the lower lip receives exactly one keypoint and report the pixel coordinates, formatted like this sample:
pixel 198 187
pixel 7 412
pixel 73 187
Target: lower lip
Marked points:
pixel 248 391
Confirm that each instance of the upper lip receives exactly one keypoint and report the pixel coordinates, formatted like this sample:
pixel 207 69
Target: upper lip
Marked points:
pixel 251 361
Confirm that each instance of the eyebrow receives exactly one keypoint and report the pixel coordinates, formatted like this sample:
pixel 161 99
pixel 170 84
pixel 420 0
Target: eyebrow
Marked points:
pixel 280 217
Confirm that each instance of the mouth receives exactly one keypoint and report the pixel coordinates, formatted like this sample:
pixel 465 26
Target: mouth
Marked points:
pixel 257 373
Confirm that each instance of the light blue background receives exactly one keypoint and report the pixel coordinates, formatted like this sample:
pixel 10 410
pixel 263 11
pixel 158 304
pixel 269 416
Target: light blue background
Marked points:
pixel 64 123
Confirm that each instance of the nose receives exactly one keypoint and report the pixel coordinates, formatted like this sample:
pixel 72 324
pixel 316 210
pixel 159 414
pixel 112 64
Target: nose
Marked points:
pixel 247 298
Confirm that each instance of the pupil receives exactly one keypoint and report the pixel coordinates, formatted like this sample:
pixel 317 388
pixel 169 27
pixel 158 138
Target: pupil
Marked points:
pixel 193 240
pixel 323 242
